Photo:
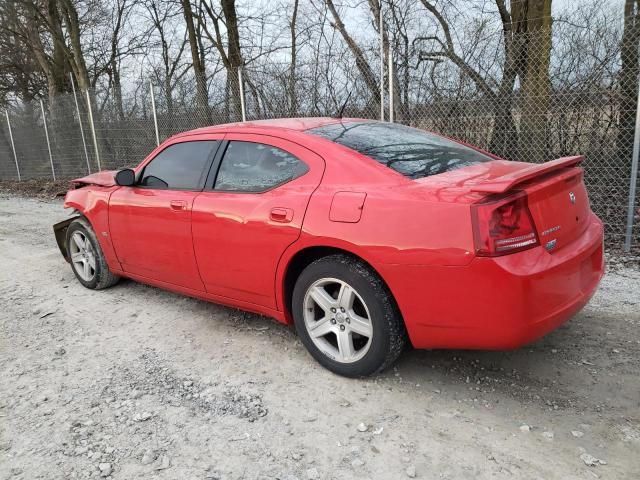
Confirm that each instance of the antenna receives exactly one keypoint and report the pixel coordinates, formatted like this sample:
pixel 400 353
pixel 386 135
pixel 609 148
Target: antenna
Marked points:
pixel 344 105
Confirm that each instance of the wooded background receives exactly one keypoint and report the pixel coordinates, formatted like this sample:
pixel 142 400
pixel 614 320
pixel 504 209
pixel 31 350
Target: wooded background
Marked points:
pixel 525 79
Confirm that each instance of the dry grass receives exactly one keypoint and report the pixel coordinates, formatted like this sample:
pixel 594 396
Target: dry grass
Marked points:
pixel 38 188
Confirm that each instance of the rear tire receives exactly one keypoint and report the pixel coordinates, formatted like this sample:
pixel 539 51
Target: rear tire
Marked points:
pixel 87 260
pixel 346 317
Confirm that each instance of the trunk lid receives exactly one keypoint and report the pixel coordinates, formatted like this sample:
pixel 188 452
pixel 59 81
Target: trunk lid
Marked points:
pixel 559 205
pixel 556 194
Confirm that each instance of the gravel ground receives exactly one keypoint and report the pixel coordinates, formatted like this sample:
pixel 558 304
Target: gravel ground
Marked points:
pixel 135 382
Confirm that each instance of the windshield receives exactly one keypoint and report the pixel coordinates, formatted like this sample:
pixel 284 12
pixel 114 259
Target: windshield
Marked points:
pixel 409 151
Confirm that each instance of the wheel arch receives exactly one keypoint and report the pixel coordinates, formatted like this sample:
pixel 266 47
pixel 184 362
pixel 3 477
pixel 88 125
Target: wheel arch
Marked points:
pixel 92 204
pixel 60 232
pixel 297 261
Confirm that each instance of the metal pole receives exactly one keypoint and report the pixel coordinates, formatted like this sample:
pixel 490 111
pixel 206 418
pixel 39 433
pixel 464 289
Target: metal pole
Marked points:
pixel 155 117
pixel 13 146
pixel 93 130
pixel 46 134
pixel 381 65
pixel 390 85
pixel 84 142
pixel 633 180
pixel 244 115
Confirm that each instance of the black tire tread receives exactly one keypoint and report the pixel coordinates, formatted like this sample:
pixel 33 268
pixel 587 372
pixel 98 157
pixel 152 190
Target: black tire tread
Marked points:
pixel 397 335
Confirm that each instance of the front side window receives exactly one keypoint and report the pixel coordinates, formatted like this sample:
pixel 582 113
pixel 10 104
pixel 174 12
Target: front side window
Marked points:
pixel 255 167
pixel 409 151
pixel 180 166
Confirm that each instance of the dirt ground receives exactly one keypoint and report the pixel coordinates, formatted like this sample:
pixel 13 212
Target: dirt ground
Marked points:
pixel 135 382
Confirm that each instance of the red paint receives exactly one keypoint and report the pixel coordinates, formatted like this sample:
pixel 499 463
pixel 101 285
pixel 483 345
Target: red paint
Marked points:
pixel 347 207
pixel 235 248
pixel 237 243
pixel 104 178
pixel 152 237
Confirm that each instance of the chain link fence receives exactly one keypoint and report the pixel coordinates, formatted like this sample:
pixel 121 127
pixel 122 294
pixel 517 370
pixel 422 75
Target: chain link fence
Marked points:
pixel 593 115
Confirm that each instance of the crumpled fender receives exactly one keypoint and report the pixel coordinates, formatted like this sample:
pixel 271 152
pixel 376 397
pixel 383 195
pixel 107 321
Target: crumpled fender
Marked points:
pixel 60 232
pixel 105 178
pixel 92 202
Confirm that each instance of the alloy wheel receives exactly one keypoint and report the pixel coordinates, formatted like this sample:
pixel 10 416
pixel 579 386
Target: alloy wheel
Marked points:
pixel 337 320
pixel 83 257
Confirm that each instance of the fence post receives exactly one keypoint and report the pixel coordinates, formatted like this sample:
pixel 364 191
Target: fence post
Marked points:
pixel 155 116
pixel 46 134
pixel 84 142
pixel 244 115
pixel 13 146
pixel 381 66
pixel 390 85
pixel 633 180
pixel 93 130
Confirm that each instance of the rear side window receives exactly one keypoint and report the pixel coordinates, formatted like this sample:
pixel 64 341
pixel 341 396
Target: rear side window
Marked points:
pixel 180 166
pixel 256 167
pixel 409 151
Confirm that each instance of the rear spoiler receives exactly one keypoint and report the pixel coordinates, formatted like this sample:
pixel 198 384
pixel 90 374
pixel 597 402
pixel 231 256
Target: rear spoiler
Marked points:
pixel 509 180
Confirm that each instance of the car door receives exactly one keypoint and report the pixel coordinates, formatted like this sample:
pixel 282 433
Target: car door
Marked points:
pixel 150 223
pixel 250 213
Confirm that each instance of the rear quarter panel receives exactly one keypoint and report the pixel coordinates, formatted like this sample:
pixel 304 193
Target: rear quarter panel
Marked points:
pixel 402 221
pixel 396 227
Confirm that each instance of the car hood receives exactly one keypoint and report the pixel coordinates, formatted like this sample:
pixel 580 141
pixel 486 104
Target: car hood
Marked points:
pixel 105 178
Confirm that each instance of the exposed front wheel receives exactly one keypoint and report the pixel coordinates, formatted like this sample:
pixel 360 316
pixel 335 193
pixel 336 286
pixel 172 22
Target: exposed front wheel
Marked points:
pixel 346 317
pixel 85 255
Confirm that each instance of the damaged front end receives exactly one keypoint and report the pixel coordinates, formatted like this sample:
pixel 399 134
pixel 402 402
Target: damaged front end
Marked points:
pixel 76 198
pixel 60 231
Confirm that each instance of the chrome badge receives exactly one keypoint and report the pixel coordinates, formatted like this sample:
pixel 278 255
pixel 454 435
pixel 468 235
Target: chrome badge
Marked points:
pixel 551 230
pixel 572 197
pixel 551 244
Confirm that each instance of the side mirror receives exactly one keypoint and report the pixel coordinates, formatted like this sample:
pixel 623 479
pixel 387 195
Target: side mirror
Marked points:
pixel 125 177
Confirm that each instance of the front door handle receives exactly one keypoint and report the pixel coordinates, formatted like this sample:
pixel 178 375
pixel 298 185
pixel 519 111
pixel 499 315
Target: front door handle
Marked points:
pixel 178 205
pixel 281 215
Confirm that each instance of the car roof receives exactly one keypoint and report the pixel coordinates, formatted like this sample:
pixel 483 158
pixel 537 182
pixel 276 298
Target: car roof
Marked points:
pixel 298 124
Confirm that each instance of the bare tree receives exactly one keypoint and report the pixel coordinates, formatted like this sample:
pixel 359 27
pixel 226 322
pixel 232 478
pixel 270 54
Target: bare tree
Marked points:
pixel 293 102
pixel 20 74
pixel 527 42
pixel 533 22
pixel 232 55
pixel 629 77
pixel 198 62
pixel 362 63
pixel 171 69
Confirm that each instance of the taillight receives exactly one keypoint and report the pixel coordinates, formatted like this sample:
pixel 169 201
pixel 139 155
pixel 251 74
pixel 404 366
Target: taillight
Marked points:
pixel 503 226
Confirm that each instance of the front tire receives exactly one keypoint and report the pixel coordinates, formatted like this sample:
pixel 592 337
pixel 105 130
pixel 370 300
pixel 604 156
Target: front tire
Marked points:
pixel 346 317
pixel 86 257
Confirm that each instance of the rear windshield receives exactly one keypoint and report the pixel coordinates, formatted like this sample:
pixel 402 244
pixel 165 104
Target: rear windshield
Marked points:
pixel 412 152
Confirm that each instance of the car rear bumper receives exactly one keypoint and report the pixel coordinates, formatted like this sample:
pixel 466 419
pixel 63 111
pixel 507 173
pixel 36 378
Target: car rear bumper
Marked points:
pixel 498 303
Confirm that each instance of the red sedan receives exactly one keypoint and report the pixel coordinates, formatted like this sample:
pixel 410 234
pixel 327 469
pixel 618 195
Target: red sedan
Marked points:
pixel 364 235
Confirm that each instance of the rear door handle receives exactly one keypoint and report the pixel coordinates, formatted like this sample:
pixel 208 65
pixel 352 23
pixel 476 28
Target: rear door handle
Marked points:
pixel 178 205
pixel 281 215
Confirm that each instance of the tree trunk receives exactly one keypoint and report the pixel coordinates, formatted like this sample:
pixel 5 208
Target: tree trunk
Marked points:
pixel 629 80
pixel 117 89
pixel 202 96
pixel 58 60
pixel 361 62
pixel 74 30
pixel 534 77
pixel 293 103
pixel 504 138
pixel 234 56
